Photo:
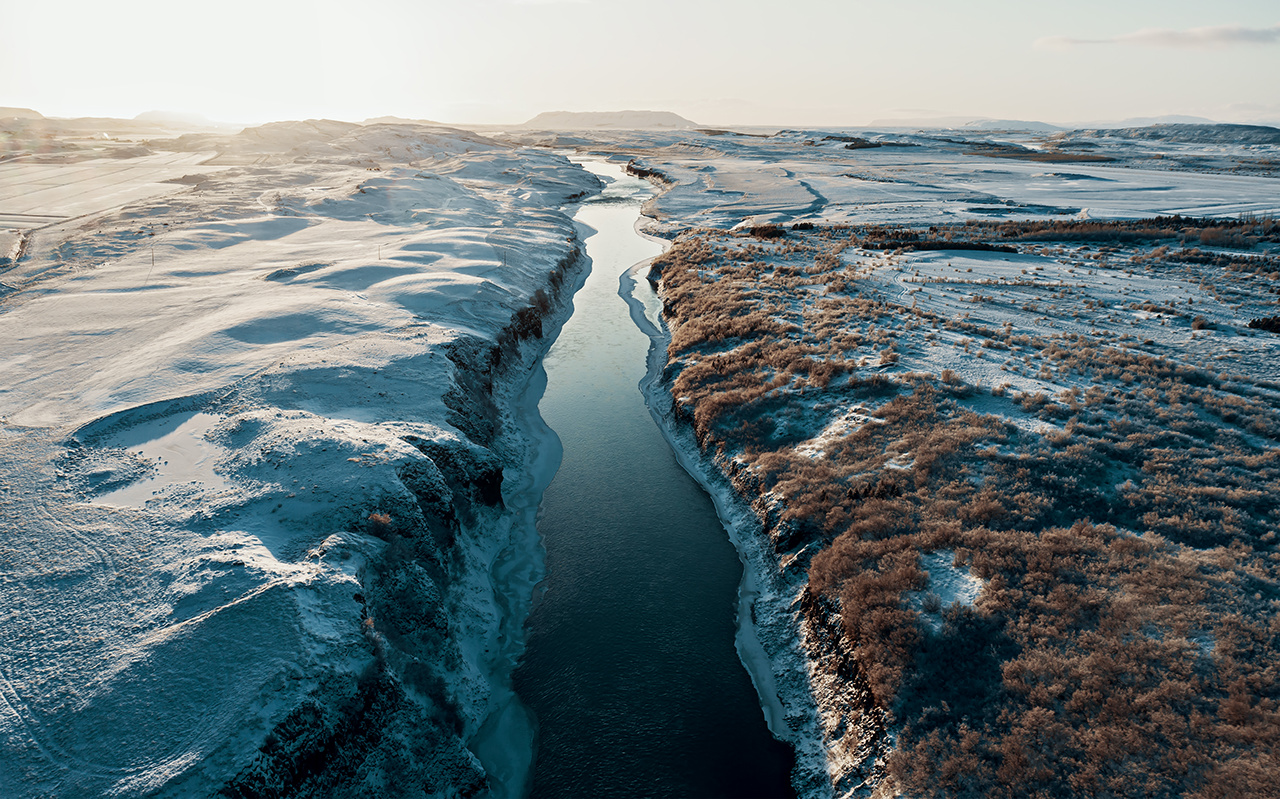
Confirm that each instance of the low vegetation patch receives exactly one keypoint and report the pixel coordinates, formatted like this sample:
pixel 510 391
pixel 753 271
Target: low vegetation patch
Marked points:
pixel 1271 324
pixel 1123 523
pixel 1046 155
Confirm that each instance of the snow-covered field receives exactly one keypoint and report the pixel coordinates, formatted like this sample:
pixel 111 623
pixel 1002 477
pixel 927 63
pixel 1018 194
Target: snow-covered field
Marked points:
pixel 256 434
pixel 724 179
pixel 35 195
pixel 1066 294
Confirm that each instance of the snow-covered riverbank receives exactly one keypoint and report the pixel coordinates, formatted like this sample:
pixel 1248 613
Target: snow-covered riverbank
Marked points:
pixel 770 627
pixel 768 638
pixel 261 439
pixel 505 742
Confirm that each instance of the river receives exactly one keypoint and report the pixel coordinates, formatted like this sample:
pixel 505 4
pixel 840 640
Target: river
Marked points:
pixel 629 667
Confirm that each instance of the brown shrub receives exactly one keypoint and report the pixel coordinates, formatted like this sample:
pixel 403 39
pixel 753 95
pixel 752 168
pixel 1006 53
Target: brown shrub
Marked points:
pixel 1107 549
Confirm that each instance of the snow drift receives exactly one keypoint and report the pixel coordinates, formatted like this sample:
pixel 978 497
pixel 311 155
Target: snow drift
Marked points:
pixel 256 441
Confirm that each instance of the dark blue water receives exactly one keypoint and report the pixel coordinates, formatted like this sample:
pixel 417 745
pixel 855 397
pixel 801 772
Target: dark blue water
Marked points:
pixel 630 667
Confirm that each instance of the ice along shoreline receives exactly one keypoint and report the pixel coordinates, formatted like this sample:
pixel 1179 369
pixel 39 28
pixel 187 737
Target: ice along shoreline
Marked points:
pixel 506 740
pixel 505 743
pixel 769 631
pixel 637 615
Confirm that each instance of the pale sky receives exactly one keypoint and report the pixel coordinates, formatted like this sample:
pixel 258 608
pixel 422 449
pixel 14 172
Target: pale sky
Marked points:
pixel 802 62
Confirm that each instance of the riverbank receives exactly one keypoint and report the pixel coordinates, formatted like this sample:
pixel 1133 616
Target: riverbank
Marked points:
pixel 255 434
pixel 631 666
pixel 506 741
pixel 768 638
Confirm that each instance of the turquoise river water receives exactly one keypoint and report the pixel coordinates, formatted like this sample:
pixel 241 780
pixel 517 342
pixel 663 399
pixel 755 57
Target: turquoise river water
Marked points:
pixel 629 669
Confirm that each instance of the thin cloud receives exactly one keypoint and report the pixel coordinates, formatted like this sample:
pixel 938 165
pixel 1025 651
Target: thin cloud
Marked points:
pixel 1215 37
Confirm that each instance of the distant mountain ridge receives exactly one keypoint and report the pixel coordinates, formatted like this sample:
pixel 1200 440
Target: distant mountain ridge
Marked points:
pixel 395 120
pixel 19 113
pixel 966 123
pixel 1012 124
pixel 1035 126
pixel 1188 133
pixel 1144 122
pixel 618 120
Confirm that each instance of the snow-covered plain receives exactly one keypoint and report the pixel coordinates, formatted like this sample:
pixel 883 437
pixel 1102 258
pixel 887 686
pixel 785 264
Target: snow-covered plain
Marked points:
pixel 34 194
pixel 721 179
pixel 256 431
pixel 1067 293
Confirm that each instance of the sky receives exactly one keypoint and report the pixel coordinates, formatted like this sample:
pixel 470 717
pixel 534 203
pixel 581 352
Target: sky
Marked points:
pixel 794 63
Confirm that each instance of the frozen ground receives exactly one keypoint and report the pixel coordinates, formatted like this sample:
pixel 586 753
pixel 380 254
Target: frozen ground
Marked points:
pixel 1064 293
pixel 254 439
pixel 948 585
pixel 721 179
pixel 35 195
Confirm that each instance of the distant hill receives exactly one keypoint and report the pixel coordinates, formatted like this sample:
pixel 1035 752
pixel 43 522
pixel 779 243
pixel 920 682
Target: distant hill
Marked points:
pixel 617 120
pixel 390 120
pixel 19 113
pixel 986 123
pixel 920 122
pixel 1144 122
pixel 1013 124
pixel 968 123
pixel 181 120
pixel 283 136
pixel 1189 134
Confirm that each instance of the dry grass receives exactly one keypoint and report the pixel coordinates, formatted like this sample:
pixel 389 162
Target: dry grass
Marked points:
pixel 1126 642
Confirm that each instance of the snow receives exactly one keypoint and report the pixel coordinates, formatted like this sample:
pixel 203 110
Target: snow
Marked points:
pixel 35 195
pixel 949 585
pixel 1039 294
pixel 197 443
pixel 723 181
pixel 848 421
pixel 182 455
pixel 223 359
